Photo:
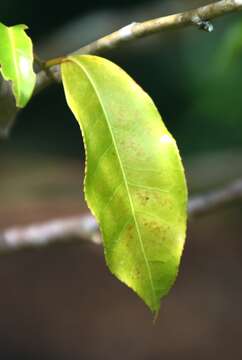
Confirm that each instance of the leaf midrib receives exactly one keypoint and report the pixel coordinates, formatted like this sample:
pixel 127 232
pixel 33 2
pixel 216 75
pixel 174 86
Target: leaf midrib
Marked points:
pixel 92 82
pixel 12 43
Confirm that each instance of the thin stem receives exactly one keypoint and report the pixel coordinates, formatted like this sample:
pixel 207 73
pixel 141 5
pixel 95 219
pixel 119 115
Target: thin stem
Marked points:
pixel 53 62
pixel 85 228
pixel 134 31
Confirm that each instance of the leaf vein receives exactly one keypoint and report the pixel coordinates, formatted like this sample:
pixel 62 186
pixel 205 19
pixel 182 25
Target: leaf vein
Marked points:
pixel 125 181
pixel 150 188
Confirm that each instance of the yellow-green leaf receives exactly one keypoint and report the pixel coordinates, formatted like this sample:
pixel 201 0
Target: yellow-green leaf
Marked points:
pixel 134 181
pixel 16 61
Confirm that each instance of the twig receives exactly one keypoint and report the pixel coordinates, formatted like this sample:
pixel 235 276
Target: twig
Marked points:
pixel 59 230
pixel 85 228
pixel 139 30
pixel 207 203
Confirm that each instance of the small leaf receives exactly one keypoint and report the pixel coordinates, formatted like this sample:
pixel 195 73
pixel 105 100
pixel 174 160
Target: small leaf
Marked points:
pixel 16 60
pixel 134 180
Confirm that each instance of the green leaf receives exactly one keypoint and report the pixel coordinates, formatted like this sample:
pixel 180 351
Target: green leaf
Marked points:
pixel 134 181
pixel 16 60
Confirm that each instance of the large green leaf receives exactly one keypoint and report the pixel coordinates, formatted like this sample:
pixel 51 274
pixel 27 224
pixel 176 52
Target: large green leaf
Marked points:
pixel 16 60
pixel 134 182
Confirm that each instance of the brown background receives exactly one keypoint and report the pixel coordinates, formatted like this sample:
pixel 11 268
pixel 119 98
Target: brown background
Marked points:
pixel 62 303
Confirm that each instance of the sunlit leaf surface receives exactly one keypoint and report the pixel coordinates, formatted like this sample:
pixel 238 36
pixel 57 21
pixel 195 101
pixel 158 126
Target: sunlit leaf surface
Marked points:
pixel 134 182
pixel 16 61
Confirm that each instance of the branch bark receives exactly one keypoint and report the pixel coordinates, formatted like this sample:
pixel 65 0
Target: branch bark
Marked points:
pixel 135 31
pixel 207 203
pixel 85 228
pixel 139 30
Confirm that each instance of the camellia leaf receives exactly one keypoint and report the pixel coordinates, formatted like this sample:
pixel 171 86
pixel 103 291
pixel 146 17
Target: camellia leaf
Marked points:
pixel 16 61
pixel 134 181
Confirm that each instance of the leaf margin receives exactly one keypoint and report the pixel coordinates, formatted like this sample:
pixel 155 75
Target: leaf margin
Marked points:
pixel 153 308
pixel 17 64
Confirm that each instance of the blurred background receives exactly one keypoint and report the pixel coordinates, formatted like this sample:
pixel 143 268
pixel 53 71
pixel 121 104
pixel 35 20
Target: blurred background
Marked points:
pixel 61 302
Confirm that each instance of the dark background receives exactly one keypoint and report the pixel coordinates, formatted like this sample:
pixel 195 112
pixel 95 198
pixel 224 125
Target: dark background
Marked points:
pixel 61 302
